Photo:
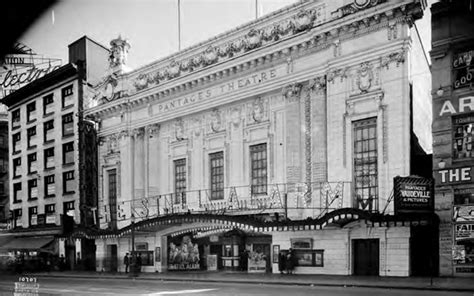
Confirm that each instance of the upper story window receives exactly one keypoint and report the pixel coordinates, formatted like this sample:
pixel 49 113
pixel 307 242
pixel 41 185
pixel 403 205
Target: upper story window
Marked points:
pixel 49 130
pixel 50 211
pixel 17 167
pixel 49 186
pixel 2 188
pixel 3 164
pixel 17 213
pixel 68 182
pixel 17 192
pixel 48 106
pixel 180 180
pixel 16 118
pixel 32 138
pixel 216 168
pixel 32 189
pixel 258 168
pixel 32 163
pixel 31 112
pixel 463 136
pixel 69 208
pixel 33 216
pixel 365 164
pixel 3 141
pixel 16 138
pixel 67 96
pixel 49 158
pixel 68 153
pixel 68 124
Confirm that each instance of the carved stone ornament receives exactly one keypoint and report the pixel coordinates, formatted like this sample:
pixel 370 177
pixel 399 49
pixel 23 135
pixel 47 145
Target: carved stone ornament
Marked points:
pixel 364 77
pixel 173 70
pixel 292 90
pixel 216 121
pixel 118 52
pixel 179 129
pixel 210 55
pixel 304 20
pixel 355 7
pixel 253 39
pixel 332 74
pixel 317 84
pixel 257 109
pixel 398 57
pixel 153 130
pixel 197 125
pixel 236 116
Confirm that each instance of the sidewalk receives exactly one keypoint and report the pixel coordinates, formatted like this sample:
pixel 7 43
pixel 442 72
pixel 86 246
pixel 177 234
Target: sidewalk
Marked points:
pixel 418 283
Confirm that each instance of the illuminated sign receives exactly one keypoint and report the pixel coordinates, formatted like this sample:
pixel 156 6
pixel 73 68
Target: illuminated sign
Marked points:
pixel 454 175
pixel 463 105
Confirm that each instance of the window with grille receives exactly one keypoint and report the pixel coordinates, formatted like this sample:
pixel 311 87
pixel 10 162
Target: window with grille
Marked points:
pixel 31 112
pixel 48 130
pixel 258 167
pixel 463 137
pixel 49 158
pixel 180 180
pixel 68 124
pixel 31 132
pixel 49 186
pixel 32 167
pixel 68 153
pixel 112 174
pixel 68 182
pixel 48 106
pixel 365 164
pixel 216 162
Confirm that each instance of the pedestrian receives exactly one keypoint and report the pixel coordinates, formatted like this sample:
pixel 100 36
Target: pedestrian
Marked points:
pixel 290 261
pixel 282 262
pixel 62 262
pixel 244 258
pixel 139 262
pixel 126 262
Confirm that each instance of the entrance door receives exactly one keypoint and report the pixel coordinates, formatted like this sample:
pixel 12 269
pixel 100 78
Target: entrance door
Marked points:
pixel 112 260
pixel 366 256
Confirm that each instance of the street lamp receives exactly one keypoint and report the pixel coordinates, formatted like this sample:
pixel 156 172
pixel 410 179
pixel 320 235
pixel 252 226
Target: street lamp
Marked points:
pixel 134 259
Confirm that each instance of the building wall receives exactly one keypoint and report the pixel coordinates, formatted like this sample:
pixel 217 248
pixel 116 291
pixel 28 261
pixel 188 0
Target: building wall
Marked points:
pixel 452 160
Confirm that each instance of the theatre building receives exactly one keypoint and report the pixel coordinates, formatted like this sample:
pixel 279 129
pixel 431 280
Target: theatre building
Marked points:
pixel 453 132
pixel 286 132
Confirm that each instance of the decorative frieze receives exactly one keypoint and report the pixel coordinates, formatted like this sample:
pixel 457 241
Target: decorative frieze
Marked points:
pixel 397 57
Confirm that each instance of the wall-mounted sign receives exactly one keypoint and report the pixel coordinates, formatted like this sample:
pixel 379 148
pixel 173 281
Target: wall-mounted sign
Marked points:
pixel 463 214
pixel 464 231
pixel 301 243
pixel 454 176
pixel 50 219
pixel 141 246
pixel 463 69
pixel 462 105
pixel 413 194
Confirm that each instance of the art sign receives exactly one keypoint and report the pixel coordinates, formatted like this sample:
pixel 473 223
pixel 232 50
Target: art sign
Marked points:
pixel 21 67
pixel 413 194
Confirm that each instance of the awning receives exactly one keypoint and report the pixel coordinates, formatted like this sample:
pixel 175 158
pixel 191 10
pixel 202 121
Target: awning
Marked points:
pixel 29 243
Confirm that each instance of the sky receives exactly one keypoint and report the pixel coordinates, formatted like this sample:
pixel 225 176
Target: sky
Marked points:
pixel 151 26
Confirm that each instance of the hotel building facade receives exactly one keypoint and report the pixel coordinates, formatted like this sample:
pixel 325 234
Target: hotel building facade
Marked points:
pixel 283 133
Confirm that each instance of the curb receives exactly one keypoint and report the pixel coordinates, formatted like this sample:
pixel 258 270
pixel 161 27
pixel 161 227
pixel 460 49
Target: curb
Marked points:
pixel 256 282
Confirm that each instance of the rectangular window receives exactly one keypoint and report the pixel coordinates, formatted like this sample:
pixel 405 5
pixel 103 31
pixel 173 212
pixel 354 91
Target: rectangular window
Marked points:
pixel 3 164
pixel 309 258
pixel 69 208
pixel 32 139
pixel 180 180
pixel 216 163
pixel 365 164
pixel 48 130
pixel 258 167
pixel 17 167
pixel 49 158
pixel 17 192
pixel 16 142
pixel 463 137
pixel 68 153
pixel 67 97
pixel 112 174
pixel 2 188
pixel 68 124
pixel 49 186
pixel 32 167
pixel 17 213
pixel 16 118
pixel 32 189
pixel 48 106
pixel 50 211
pixel 33 216
pixel 68 182
pixel 31 112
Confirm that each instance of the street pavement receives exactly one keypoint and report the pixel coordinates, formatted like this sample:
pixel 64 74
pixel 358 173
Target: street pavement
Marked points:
pixel 412 283
pixel 149 286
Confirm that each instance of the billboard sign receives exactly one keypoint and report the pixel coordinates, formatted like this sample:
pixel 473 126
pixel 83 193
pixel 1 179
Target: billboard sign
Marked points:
pixel 413 194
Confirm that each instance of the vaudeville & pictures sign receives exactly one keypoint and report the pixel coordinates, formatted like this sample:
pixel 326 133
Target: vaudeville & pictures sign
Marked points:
pixel 413 194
